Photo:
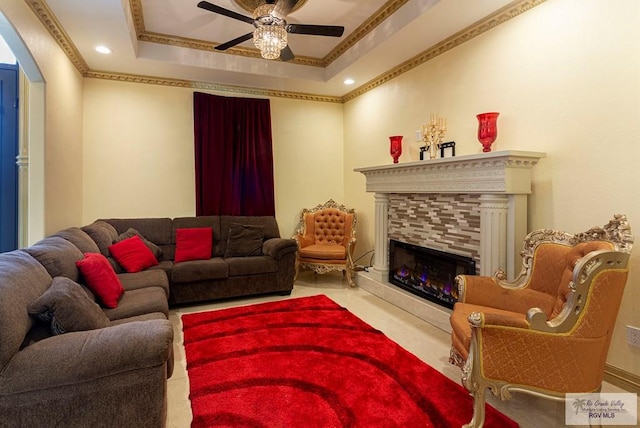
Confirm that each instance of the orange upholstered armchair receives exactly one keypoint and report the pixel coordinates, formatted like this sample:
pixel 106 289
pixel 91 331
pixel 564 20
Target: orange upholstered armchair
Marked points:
pixel 326 239
pixel 547 332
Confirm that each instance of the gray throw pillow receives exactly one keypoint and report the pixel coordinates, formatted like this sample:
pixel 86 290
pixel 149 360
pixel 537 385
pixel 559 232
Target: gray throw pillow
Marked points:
pixel 102 234
pixel 131 232
pixel 68 308
pixel 244 240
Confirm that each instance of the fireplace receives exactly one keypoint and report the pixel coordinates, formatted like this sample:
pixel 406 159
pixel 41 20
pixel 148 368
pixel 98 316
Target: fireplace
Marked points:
pixel 474 205
pixel 426 272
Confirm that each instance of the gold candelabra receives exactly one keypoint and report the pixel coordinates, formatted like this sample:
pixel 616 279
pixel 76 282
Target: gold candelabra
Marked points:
pixel 433 134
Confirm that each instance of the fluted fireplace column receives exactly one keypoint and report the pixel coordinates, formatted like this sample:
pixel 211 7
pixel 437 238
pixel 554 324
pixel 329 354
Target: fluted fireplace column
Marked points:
pixel 493 233
pixel 381 260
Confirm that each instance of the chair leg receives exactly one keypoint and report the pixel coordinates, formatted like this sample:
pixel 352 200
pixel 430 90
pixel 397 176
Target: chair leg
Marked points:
pixel 350 275
pixel 477 421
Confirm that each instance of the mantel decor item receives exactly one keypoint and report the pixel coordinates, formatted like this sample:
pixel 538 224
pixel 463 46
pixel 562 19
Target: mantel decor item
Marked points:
pixel 433 134
pixel 443 146
pixel 396 147
pixel 487 129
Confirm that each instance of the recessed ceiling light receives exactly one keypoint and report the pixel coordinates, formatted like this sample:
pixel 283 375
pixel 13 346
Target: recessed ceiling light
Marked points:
pixel 349 81
pixel 103 50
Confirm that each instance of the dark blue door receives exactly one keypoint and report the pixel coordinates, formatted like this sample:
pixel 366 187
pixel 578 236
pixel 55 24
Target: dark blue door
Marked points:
pixel 8 154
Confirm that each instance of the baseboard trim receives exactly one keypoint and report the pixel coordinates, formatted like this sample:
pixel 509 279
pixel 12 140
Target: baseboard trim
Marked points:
pixel 622 378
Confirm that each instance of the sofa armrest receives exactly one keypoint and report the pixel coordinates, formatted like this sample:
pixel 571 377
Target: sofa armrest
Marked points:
pixel 83 356
pixel 279 247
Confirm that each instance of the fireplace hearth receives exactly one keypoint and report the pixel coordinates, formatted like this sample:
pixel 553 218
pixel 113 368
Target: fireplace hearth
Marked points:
pixel 426 272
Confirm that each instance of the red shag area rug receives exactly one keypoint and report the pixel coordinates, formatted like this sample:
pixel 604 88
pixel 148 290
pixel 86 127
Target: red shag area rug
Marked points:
pixel 308 362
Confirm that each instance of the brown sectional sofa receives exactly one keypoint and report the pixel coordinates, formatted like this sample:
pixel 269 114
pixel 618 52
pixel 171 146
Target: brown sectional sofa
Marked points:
pixel 219 277
pixel 112 376
pixel 117 375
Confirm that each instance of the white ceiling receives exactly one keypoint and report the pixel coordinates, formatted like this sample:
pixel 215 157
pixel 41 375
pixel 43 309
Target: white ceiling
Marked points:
pixel 174 39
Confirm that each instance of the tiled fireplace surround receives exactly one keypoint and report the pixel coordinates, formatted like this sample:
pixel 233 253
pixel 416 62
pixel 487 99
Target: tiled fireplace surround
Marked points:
pixel 474 206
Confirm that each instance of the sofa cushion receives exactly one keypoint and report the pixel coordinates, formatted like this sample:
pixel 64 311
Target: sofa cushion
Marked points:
pixel 244 240
pixel 156 230
pixel 193 244
pixel 57 255
pixel 103 234
pixel 199 270
pixel 144 279
pixel 140 302
pixel 131 232
pixel 22 280
pixel 79 238
pixel 132 254
pixel 67 307
pixel 143 317
pixel 251 265
pixel 101 279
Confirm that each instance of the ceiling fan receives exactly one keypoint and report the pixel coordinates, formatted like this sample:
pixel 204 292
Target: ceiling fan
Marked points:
pixel 270 34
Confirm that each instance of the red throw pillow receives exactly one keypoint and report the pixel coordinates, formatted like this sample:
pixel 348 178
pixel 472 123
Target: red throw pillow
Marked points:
pixel 101 278
pixel 132 254
pixel 193 244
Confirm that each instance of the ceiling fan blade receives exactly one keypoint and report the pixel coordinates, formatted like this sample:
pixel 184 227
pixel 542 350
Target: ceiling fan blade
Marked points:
pixel 286 54
pixel 232 43
pixel 316 30
pixel 226 12
pixel 284 8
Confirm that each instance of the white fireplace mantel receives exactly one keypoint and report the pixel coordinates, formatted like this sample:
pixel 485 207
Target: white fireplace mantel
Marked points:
pixel 504 172
pixel 502 179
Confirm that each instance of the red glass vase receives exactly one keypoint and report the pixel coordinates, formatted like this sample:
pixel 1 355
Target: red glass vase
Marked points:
pixel 487 129
pixel 396 147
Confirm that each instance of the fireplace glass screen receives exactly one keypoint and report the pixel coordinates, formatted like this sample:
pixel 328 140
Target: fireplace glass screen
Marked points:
pixel 426 272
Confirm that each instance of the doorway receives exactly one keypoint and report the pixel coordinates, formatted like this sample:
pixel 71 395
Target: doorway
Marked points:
pixel 8 157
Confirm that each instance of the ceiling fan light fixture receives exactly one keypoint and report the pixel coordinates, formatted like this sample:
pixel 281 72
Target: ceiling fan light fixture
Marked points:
pixel 270 39
pixel 263 10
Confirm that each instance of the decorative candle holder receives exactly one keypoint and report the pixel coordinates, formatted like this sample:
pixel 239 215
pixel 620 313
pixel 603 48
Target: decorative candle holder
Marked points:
pixel 433 134
pixel 487 129
pixel 395 148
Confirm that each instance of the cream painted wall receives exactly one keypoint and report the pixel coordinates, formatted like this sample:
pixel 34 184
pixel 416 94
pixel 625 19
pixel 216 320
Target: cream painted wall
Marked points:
pixel 138 151
pixel 565 77
pixel 138 146
pixel 308 157
pixel 62 121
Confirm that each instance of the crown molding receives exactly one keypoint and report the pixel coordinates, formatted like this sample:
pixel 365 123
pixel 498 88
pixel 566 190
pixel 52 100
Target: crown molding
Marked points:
pixel 178 83
pixel 51 23
pixel 369 25
pixel 491 21
pixel 135 6
pixel 185 42
pixel 46 16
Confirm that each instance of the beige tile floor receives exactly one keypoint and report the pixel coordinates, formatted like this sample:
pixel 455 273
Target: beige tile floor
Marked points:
pixel 428 343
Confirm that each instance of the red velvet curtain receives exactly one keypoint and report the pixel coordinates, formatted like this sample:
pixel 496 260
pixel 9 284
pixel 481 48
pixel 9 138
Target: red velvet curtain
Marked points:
pixel 234 158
